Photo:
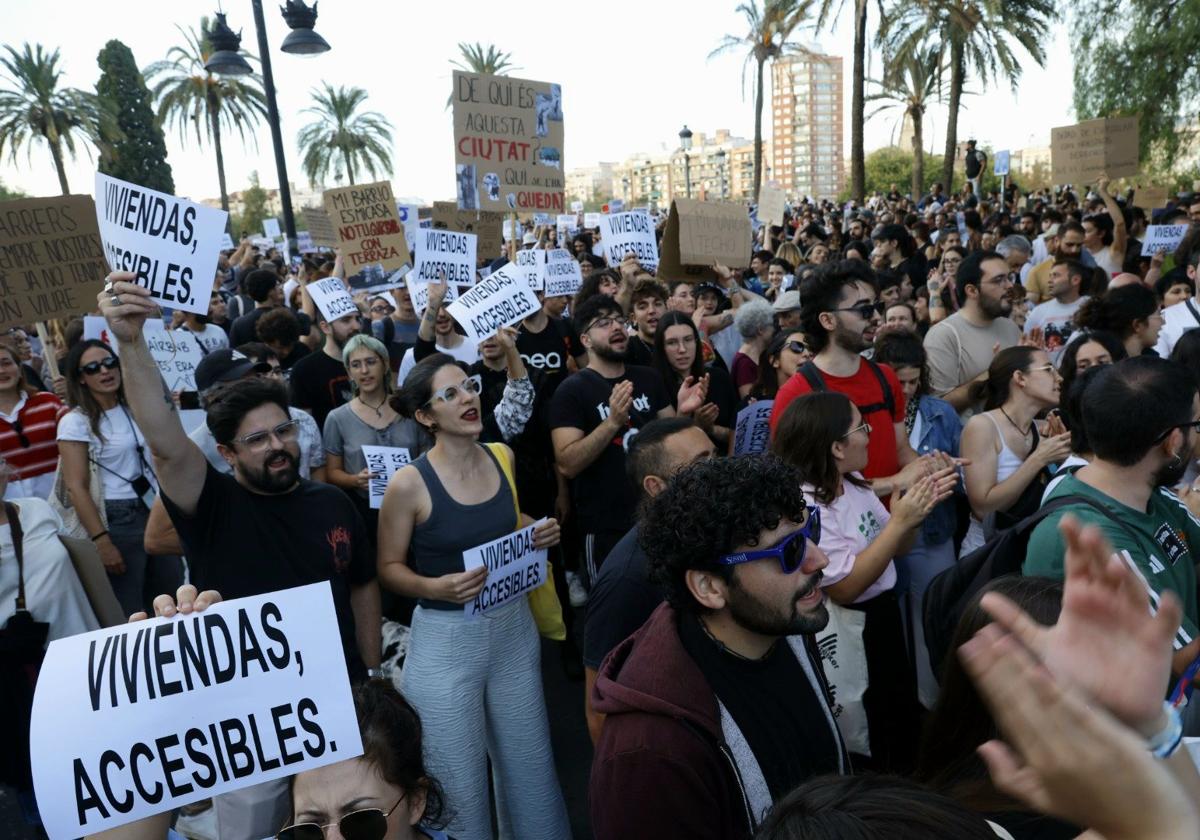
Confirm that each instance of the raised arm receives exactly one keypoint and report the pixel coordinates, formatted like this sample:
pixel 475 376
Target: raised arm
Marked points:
pixel 1120 233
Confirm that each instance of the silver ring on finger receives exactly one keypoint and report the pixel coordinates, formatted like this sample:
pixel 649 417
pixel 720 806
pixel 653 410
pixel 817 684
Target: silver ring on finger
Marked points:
pixel 115 300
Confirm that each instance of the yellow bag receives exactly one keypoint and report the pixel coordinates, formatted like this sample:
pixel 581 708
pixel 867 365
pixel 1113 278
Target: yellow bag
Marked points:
pixel 543 601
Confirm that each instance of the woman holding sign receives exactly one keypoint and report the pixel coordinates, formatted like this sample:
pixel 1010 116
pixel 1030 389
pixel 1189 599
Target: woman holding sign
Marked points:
pixel 474 678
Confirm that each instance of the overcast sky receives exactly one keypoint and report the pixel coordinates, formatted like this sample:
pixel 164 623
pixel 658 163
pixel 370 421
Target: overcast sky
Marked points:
pixel 632 73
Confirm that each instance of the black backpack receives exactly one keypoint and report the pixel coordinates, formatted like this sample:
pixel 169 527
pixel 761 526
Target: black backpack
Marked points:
pixel 812 375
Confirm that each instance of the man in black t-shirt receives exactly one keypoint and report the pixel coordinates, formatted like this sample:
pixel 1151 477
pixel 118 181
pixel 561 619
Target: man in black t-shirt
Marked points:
pixel 319 382
pixel 973 162
pixel 647 303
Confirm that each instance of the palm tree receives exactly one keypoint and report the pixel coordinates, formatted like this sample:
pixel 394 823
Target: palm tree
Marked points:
pixel 769 27
pixel 910 82
pixel 474 58
pixel 191 97
pixel 979 36
pixel 342 140
pixel 33 107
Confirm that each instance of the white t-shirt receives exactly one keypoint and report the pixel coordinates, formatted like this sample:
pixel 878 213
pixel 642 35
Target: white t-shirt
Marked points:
pixel 210 338
pixel 117 456
pixel 1057 321
pixel 465 352
pixel 848 526
pixel 1177 319
pixel 1106 260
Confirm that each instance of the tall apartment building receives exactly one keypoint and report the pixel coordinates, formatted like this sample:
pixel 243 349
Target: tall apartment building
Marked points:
pixel 806 118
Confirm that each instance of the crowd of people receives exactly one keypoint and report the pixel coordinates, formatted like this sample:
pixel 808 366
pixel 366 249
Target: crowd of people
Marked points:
pixel 949 594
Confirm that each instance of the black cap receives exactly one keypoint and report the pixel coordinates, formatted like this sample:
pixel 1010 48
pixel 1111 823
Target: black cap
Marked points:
pixel 225 365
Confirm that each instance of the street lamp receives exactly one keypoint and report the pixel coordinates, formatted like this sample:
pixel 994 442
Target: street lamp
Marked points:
pixel 685 142
pixel 721 169
pixel 625 190
pixel 227 62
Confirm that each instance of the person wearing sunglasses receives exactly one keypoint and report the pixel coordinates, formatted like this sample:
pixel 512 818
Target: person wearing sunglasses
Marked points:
pixel 476 683
pixel 718 705
pixel 28 422
pixel 782 358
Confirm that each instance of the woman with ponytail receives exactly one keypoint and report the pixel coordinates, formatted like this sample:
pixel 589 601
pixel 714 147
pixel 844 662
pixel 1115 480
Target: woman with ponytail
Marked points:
pixel 1129 312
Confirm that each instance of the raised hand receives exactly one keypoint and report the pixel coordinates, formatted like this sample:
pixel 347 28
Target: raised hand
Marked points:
pixel 692 394
pixel 125 305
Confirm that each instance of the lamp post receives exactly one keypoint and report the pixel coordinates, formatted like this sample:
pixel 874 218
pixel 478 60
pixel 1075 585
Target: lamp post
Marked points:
pixel 625 190
pixel 685 143
pixel 721 169
pixel 226 61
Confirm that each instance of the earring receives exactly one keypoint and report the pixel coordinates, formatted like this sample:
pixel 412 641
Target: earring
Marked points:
pixel 433 428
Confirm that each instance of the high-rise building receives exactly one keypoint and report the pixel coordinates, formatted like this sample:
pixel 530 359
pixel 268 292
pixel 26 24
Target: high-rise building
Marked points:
pixel 806 119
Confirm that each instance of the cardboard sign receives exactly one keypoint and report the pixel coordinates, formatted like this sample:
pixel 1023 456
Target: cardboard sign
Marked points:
pixel 142 718
pixel 623 233
pixel 561 276
pixel 1082 152
pixel 1150 198
pixel 367 224
pixel 484 224
pixel 271 229
pixel 1162 238
pixel 51 259
pixel 503 299
pixel 383 462
pixel 771 206
pixel 508 144
pixel 176 355
pixel 699 233
pixel 170 243
pixel 374 279
pixel 445 254
pixel 1000 165
pixel 331 298
pixel 752 432
pixel 515 568
pixel 528 264
pixel 320 226
pixel 410 218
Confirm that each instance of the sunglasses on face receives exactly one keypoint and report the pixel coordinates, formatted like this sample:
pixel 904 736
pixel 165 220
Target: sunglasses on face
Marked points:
pixel 866 311
pixel 796 347
pixel 92 368
pixel 471 385
pixel 367 824
pixel 790 551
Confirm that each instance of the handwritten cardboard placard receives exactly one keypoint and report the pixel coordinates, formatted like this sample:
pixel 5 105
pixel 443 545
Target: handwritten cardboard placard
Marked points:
pixel 1150 198
pixel 51 259
pixel 176 353
pixel 752 431
pixel 508 144
pixel 561 275
pixel 1162 238
pixel 503 299
pixel 1082 152
pixel 367 224
pixel 483 223
pixel 410 218
pixel 771 205
pixel 701 232
pixel 383 462
pixel 632 232
pixel 142 718
pixel 445 254
pixel 331 298
pixel 515 568
pixel 169 243
pixel 320 226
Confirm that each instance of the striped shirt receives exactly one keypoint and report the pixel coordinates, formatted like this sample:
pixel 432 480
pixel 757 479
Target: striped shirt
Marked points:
pixel 28 437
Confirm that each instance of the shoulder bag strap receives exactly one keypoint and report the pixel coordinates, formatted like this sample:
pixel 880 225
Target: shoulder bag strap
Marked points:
pixel 14 525
pixel 497 450
pixel 889 399
pixel 812 374
pixel 1192 308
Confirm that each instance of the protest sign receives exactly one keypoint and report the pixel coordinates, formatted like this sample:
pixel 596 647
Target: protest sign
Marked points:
pixel 528 264
pixel 227 242
pixel 771 205
pixel 304 241
pixel 142 718
pixel 410 218
pixel 445 254
pixel 1000 165
pixel 512 230
pixel 632 232
pixel 616 206
pixel 176 353
pixel 51 259
pixel 577 207
pixel 320 226
pixel 1082 152
pixel 1162 238
pixel 699 233
pixel 382 461
pixel 1150 198
pixel 418 293
pixel 367 224
pixel 752 432
pixel 566 221
pixel 169 243
pixel 331 298
pixel 271 229
pixel 561 275
pixel 374 279
pixel 541 218
pixel 591 221
pixel 483 223
pixel 515 568
pixel 501 300
pixel 508 143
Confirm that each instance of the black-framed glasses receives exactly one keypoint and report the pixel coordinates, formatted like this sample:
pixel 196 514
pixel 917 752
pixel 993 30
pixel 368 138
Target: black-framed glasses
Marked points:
pixel 258 441
pixel 1194 425
pixel 796 347
pixel 866 311
pixel 606 322
pixel 367 824
pixel 92 368
pixel 790 551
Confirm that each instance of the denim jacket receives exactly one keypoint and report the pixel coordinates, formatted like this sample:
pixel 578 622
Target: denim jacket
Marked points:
pixel 941 430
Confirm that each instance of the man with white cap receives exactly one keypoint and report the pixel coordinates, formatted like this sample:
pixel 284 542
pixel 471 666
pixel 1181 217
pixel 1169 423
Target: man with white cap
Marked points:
pixel 787 310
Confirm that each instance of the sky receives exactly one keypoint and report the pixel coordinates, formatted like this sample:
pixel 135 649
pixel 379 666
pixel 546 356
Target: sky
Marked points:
pixel 632 73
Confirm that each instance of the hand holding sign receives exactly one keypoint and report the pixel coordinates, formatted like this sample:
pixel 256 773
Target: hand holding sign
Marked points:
pixel 125 306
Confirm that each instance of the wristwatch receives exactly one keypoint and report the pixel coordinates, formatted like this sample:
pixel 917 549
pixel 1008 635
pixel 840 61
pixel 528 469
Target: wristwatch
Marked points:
pixel 375 673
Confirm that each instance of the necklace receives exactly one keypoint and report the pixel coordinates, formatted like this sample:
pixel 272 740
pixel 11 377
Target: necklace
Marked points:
pixel 377 409
pixel 1025 433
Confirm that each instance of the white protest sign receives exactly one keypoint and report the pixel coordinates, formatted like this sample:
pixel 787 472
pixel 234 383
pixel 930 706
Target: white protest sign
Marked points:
pixel 566 221
pixel 529 264
pixel 304 241
pixel 616 205
pixel 752 432
pixel 576 206
pixel 271 229
pixel 445 254
pixel 227 242
pixel 512 230
pixel 418 293
pixel 411 222
pixel 383 461
pixel 169 243
pixel 591 221
pixel 142 718
pixel 561 276
pixel 1162 238
pixel 176 354
pixel 515 568
pixel 623 233
pixel 331 298
pixel 504 298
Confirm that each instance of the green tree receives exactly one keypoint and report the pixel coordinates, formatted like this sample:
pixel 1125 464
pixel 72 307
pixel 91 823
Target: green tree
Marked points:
pixel 33 107
pixel 138 153
pixel 254 208
pixel 893 165
pixel 9 194
pixel 475 58
pixel 769 27
pixel 910 82
pixel 343 140
pixel 194 99
pixel 979 36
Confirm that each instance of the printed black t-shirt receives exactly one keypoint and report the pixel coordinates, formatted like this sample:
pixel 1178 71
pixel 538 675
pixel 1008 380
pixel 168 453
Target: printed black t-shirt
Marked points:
pixel 319 384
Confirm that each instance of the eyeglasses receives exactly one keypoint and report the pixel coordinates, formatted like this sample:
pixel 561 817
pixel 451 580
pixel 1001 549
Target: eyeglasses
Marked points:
pixel 382 309
pixel 1041 367
pixel 259 441
pixel 863 427
pixel 606 322
pixel 367 824
pixel 1194 425
pixel 790 551
pixel 866 311
pixel 471 385
pixel 92 368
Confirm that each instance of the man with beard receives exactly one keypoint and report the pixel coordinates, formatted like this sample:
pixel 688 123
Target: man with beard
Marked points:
pixel 960 348
pixel 1141 417
pixel 839 317
pixel 319 382
pixel 263 528
pixel 1070 247
pixel 718 705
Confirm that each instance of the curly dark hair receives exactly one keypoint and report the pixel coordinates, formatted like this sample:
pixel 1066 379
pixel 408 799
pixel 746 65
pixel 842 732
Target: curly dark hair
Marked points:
pixel 709 509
